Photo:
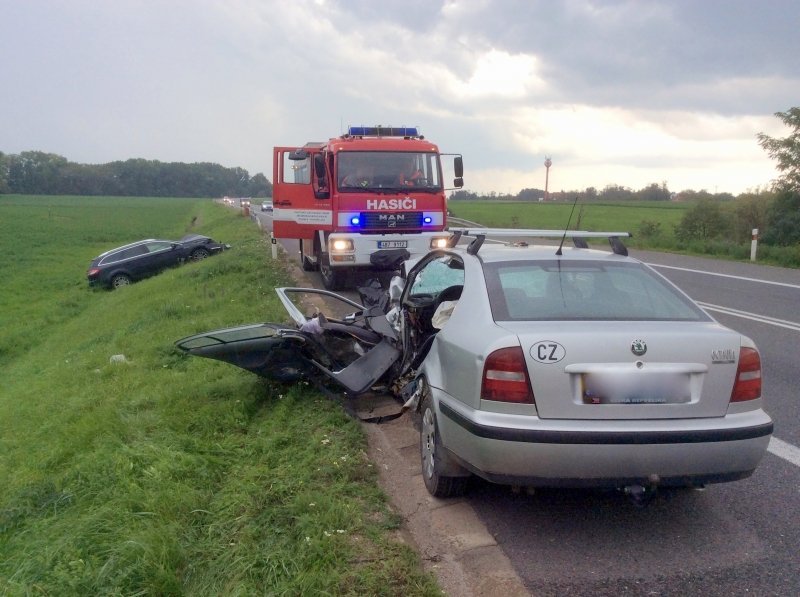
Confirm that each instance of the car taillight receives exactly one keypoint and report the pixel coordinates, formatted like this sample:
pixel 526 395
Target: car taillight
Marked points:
pixel 748 376
pixel 505 377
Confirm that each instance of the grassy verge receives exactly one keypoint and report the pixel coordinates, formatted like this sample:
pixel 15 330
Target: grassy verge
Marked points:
pixel 164 474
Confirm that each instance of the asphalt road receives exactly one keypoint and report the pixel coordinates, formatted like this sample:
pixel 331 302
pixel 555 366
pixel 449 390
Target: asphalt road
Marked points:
pixel 731 539
pixel 739 538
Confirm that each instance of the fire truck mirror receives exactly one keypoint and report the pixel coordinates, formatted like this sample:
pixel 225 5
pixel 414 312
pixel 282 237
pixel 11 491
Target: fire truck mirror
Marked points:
pixel 458 168
pixel 458 182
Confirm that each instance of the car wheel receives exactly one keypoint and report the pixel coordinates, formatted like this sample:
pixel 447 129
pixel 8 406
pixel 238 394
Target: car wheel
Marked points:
pixel 331 278
pixel 437 468
pixel 120 280
pixel 198 254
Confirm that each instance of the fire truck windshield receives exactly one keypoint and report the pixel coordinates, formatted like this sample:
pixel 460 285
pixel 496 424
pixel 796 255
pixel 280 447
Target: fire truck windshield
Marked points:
pixel 388 171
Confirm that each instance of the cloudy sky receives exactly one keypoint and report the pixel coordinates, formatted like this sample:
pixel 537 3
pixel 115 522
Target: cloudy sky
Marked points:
pixel 616 92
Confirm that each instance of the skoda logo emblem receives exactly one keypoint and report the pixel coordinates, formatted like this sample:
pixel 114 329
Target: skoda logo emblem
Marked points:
pixel 638 347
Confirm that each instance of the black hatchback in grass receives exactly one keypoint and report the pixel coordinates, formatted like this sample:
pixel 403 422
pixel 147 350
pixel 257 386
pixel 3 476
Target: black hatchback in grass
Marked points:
pixel 144 258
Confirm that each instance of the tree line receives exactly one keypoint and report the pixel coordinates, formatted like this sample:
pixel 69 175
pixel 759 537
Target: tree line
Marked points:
pixel 611 193
pixel 40 173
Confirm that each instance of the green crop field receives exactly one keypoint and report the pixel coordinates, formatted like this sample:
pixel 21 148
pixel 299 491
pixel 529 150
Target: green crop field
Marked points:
pixel 618 217
pixel 164 474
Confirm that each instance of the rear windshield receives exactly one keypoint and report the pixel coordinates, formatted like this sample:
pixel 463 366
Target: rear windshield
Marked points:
pixel 558 290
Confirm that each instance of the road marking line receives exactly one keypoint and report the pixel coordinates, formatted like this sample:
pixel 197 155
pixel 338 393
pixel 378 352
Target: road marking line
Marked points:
pixel 784 450
pixel 699 271
pixel 791 325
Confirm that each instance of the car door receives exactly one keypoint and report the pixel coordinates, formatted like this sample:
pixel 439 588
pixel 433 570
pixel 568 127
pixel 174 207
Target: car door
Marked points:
pixel 161 254
pixel 354 351
pixel 431 290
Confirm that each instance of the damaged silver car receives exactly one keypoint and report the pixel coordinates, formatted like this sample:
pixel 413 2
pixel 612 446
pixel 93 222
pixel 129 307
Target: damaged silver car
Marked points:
pixel 537 365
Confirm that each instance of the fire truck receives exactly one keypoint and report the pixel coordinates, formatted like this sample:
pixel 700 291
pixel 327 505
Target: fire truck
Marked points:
pixel 363 201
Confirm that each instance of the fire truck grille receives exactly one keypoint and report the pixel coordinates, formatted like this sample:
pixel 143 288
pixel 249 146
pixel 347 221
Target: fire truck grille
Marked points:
pixel 401 220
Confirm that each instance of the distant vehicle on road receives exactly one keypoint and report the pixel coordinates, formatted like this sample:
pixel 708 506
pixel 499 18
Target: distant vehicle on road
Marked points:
pixel 266 206
pixel 144 258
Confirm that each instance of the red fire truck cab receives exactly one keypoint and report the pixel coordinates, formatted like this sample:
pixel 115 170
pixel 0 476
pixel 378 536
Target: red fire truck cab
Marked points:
pixel 359 201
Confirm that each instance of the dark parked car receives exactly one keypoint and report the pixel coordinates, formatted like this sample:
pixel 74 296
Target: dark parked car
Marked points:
pixel 129 263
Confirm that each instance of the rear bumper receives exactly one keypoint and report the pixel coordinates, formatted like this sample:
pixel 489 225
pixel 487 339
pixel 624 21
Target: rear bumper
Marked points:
pixel 527 450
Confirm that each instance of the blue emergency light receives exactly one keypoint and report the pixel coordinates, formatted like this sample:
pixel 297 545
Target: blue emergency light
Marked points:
pixel 355 220
pixel 427 220
pixel 383 131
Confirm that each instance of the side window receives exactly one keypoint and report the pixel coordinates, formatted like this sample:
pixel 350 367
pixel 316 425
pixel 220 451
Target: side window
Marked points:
pixel 296 171
pixel 126 254
pixel 158 246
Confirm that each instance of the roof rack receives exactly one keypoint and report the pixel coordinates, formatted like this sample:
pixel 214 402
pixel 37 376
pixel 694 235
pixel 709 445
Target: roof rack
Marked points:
pixel 578 237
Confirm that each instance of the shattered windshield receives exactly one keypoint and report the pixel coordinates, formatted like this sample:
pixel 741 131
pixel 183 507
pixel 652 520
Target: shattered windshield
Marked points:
pixel 397 171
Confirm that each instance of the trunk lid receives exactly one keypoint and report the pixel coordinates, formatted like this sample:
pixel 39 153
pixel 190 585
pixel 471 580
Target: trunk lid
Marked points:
pixel 629 369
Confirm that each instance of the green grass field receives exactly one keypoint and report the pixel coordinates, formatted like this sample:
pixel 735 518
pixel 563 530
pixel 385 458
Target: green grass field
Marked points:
pixel 618 217
pixel 169 475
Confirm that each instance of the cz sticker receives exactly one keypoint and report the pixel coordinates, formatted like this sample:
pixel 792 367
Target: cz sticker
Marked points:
pixel 548 352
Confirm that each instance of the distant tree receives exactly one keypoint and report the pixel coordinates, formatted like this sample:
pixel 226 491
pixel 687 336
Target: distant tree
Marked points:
pixel 783 219
pixel 704 220
pixel 654 192
pixel 750 211
pixel 3 173
pixel 35 172
pixel 530 194
pixel 463 195
pixel 614 192
pixel 260 186
pixel 785 151
pixel 690 195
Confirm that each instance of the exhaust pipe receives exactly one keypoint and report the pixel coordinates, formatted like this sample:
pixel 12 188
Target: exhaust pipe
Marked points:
pixel 641 495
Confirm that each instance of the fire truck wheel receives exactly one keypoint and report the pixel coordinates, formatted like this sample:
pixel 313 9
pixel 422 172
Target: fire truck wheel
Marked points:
pixel 332 279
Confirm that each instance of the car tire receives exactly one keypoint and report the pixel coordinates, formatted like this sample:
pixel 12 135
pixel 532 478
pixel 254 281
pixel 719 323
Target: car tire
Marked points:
pixel 437 467
pixel 120 280
pixel 332 279
pixel 199 254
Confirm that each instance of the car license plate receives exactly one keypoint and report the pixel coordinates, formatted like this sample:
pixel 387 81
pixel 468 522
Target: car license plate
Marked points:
pixel 392 244
pixel 619 388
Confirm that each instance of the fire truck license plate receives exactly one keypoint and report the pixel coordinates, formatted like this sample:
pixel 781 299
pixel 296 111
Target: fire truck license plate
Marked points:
pixel 392 244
